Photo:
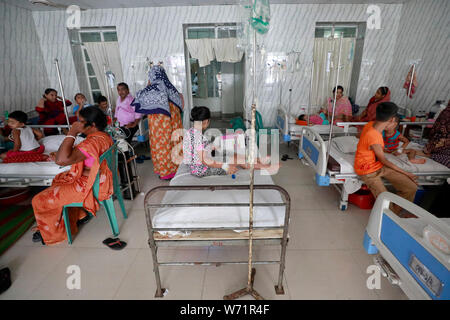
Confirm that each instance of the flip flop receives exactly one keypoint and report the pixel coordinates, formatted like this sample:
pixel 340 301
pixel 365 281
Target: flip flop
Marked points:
pixel 114 243
pixel 286 157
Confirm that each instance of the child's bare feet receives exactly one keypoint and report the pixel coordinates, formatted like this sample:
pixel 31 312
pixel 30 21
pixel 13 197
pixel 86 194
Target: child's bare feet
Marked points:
pixel 418 160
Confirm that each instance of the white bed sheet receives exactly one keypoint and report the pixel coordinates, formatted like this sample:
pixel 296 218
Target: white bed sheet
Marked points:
pixel 346 161
pixel 214 217
pixel 320 129
pixel 31 169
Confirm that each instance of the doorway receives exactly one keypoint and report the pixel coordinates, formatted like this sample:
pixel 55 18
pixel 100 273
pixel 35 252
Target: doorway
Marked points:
pixel 217 77
pixel 327 42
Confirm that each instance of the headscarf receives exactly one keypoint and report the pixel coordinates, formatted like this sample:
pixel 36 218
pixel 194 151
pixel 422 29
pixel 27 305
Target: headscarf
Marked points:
pixel 155 98
pixel 372 107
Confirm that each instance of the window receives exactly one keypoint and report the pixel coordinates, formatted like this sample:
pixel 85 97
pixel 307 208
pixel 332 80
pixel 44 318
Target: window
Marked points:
pixel 92 35
pixel 335 31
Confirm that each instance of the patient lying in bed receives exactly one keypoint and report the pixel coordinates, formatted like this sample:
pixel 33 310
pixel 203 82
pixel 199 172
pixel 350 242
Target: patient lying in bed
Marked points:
pixel 197 150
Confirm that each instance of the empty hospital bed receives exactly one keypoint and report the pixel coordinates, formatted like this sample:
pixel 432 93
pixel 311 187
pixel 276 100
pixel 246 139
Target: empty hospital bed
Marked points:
pixel 412 253
pixel 336 166
pixel 214 211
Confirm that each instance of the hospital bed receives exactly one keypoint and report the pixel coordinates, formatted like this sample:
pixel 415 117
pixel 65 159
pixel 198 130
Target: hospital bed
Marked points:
pixel 291 131
pixel 336 166
pixel 31 174
pixel 214 211
pixel 412 253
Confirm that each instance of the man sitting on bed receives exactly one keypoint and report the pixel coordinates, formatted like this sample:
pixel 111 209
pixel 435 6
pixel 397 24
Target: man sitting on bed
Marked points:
pixel 371 164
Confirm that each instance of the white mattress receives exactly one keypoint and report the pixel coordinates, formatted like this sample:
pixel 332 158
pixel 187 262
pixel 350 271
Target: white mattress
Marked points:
pixel 214 217
pixel 320 129
pixel 346 161
pixel 31 169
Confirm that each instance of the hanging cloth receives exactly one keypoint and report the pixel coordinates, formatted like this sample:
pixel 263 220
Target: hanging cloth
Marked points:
pixel 226 50
pixel 201 49
pixel 408 82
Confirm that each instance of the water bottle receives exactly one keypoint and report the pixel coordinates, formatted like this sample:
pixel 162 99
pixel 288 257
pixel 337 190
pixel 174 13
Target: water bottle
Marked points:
pixel 435 108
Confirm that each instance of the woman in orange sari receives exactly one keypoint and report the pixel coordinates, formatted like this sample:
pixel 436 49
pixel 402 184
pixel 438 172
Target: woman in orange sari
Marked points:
pixel 76 184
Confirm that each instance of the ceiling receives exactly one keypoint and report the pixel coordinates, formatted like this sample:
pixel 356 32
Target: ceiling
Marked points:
pixel 104 4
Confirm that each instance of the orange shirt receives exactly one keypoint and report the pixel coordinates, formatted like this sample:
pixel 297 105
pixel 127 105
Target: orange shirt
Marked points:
pixel 365 160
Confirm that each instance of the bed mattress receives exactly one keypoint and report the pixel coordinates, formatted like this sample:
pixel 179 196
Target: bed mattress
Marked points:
pixel 215 217
pixel 346 161
pixel 31 169
pixel 320 129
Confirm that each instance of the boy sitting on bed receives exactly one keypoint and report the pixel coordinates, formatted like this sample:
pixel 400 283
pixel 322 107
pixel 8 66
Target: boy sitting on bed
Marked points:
pixel 197 149
pixel 370 163
pixel 26 148
pixel 392 138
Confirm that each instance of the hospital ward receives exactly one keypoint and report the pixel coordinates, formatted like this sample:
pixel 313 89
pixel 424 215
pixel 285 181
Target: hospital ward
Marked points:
pixel 224 150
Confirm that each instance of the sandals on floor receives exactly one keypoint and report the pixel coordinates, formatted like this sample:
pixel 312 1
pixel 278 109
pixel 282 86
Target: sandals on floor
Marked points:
pixel 84 220
pixel 114 243
pixel 37 237
pixel 285 157
pixel 5 279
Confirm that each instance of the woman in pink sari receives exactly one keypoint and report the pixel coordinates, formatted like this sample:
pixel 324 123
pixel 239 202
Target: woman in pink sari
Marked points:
pixel 343 110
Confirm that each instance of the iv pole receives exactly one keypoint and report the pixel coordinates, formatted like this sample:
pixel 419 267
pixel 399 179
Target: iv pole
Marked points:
pixel 62 92
pixel 251 271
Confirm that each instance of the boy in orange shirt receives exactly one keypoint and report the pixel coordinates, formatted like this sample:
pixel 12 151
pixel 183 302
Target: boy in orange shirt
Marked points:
pixel 371 164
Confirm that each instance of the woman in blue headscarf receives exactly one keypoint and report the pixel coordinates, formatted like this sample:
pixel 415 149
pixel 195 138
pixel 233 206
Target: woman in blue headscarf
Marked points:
pixel 163 104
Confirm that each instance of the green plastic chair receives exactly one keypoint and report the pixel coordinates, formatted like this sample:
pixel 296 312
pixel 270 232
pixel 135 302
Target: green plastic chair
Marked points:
pixel 238 123
pixel 110 156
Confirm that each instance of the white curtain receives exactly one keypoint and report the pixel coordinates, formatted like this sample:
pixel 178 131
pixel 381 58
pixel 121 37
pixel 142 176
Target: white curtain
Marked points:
pixel 326 57
pixel 201 49
pixel 106 54
pixel 206 50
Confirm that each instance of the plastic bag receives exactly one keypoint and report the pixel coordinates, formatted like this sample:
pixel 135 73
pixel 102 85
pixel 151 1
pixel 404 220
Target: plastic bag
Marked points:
pixel 260 16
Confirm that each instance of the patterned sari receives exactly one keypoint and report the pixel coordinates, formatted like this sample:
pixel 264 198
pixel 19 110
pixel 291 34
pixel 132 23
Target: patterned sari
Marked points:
pixel 439 144
pixel 72 186
pixel 162 144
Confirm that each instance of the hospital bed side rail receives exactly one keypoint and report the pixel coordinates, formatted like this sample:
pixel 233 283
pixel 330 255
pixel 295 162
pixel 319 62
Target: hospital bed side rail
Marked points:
pixel 313 149
pixel 347 125
pixel 154 244
pixel 414 246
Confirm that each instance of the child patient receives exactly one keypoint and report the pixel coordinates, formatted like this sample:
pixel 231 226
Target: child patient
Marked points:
pixel 392 138
pixel 197 150
pixel 26 148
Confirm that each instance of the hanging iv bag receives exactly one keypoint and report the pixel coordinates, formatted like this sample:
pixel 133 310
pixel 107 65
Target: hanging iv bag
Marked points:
pixel 260 16
pixel 111 79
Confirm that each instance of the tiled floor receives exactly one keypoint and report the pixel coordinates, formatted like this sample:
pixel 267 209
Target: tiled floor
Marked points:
pixel 325 258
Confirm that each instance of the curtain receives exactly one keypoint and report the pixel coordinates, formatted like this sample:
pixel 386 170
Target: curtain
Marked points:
pixel 226 50
pixel 326 57
pixel 106 54
pixel 201 49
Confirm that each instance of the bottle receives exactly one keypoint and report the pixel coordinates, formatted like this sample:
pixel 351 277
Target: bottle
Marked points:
pixel 435 108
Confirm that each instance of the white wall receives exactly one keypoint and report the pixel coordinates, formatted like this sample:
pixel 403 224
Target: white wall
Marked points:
pixel 157 33
pixel 23 76
pixel 423 34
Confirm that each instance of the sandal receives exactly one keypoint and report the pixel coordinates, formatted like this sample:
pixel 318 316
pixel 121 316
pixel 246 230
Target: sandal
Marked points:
pixel 5 279
pixel 37 237
pixel 285 157
pixel 114 243
pixel 84 220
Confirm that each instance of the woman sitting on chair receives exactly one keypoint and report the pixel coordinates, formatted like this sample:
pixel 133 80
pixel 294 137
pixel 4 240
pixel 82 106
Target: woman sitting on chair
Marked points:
pixel 76 184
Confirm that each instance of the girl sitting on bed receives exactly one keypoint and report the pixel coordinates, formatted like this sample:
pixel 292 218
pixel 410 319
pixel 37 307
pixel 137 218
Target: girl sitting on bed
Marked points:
pixel 197 149
pixel 26 145
pixel 392 138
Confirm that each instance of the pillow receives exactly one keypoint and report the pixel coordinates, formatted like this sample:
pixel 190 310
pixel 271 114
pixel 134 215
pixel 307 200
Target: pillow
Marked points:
pixel 346 144
pixel 52 143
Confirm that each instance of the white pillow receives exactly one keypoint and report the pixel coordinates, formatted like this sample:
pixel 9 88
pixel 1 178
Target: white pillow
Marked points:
pixel 52 143
pixel 346 144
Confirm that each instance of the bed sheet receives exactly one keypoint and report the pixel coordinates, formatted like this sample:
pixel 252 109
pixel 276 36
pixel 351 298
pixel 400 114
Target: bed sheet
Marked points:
pixel 31 169
pixel 320 129
pixel 346 161
pixel 207 217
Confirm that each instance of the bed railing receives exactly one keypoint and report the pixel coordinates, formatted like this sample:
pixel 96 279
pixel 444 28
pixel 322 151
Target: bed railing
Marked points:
pixel 313 148
pixel 269 240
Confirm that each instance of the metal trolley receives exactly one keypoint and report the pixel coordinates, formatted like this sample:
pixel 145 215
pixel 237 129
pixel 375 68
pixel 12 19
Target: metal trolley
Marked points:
pixel 272 235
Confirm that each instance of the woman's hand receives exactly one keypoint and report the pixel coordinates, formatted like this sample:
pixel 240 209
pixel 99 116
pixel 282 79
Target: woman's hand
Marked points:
pixel 232 169
pixel 76 128
pixel 41 103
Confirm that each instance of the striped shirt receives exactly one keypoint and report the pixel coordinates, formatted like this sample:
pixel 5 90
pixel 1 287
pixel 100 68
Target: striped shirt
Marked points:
pixel 391 143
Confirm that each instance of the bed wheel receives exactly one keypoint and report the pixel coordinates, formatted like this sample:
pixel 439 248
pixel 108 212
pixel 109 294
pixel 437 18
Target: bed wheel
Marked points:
pixel 343 206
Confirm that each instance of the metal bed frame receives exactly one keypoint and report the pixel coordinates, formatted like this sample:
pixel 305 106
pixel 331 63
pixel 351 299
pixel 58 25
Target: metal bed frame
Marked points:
pixel 46 180
pixel 276 235
pixel 312 148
